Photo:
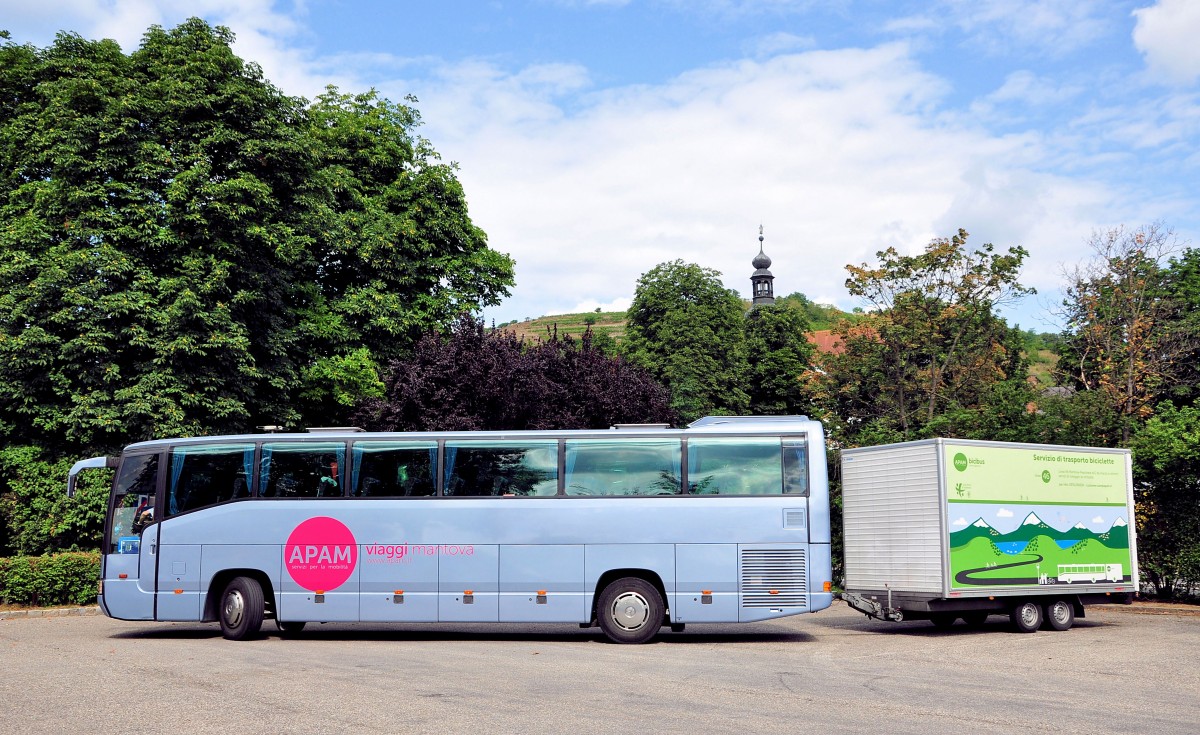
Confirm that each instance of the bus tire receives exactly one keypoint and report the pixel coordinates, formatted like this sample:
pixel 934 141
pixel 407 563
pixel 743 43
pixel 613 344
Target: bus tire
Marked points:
pixel 241 609
pixel 289 627
pixel 630 610
pixel 1060 615
pixel 1026 616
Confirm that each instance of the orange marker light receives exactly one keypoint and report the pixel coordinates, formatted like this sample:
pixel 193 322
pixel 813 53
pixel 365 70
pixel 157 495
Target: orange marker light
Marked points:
pixel 468 592
pixel 827 587
pixel 179 592
pixel 122 576
pixel 399 592
pixel 320 592
pixel 706 592
pixel 542 593
pixel 774 592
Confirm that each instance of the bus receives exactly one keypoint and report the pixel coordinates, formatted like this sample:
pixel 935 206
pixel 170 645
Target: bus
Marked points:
pixel 630 529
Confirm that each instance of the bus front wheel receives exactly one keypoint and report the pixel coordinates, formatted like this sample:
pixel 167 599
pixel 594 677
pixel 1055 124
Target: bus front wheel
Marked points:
pixel 241 609
pixel 630 610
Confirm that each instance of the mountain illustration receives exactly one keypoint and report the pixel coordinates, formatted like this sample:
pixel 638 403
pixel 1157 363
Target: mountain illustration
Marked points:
pixel 979 529
pixel 1030 527
pixel 1116 537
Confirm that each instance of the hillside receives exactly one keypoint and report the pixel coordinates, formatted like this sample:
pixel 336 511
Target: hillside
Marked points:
pixel 608 322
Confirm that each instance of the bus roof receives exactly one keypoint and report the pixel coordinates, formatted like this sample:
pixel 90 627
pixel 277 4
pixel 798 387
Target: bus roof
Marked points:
pixel 706 425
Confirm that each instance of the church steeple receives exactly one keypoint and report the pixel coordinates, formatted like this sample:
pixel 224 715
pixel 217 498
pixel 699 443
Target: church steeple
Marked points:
pixel 762 282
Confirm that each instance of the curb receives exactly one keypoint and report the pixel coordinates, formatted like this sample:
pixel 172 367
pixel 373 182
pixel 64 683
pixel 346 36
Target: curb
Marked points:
pixel 51 612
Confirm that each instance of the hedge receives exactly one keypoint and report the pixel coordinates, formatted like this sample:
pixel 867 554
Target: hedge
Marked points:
pixel 53 579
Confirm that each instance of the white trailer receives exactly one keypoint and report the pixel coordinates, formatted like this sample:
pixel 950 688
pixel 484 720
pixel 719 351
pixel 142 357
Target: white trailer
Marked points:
pixel 942 529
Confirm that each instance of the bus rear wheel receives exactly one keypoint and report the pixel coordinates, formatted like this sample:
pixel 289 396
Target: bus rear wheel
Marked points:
pixel 630 610
pixel 241 609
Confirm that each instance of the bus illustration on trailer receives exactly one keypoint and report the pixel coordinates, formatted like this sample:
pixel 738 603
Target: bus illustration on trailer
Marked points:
pixel 630 529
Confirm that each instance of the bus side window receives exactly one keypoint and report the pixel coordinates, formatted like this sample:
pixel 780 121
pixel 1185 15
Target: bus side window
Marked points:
pixel 735 466
pixel 302 469
pixel 795 466
pixel 393 469
pixel 502 469
pixel 204 475
pixel 623 466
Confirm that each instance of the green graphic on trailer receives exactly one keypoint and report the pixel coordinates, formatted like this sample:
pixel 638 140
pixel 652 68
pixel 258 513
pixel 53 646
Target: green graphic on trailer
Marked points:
pixel 1036 517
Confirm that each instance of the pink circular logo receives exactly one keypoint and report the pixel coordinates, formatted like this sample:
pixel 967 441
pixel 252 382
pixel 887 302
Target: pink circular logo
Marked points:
pixel 320 554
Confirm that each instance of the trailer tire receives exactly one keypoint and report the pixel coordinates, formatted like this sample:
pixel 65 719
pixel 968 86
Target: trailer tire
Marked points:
pixel 943 621
pixel 1026 616
pixel 975 618
pixel 1060 615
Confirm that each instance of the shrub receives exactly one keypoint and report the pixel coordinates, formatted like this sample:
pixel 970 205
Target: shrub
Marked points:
pixel 57 579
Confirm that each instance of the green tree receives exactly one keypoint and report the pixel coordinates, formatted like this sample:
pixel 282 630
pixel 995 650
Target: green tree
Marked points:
pixel 779 356
pixel 931 343
pixel 1166 452
pixel 686 328
pixel 184 249
pixel 1125 335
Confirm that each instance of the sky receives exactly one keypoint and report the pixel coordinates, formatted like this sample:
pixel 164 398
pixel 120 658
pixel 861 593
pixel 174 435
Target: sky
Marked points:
pixel 596 139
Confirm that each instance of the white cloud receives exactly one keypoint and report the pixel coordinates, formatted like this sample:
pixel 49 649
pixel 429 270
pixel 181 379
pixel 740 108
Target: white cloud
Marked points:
pixel 620 304
pixel 1052 27
pixel 272 38
pixel 1166 34
pixel 838 154
pixel 1004 513
pixel 960 522
pixel 1098 519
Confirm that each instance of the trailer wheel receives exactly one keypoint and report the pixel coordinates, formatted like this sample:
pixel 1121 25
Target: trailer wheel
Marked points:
pixel 241 609
pixel 1060 615
pixel 975 618
pixel 943 621
pixel 1026 616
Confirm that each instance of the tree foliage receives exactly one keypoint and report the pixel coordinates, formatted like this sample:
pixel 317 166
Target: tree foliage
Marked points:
pixel 687 329
pixel 931 343
pixel 779 356
pixel 474 379
pixel 1166 453
pixel 1124 333
pixel 184 249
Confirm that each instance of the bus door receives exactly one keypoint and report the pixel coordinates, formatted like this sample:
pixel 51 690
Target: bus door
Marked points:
pixel 131 541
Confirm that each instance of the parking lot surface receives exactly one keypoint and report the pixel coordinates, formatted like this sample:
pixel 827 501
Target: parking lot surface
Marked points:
pixel 833 671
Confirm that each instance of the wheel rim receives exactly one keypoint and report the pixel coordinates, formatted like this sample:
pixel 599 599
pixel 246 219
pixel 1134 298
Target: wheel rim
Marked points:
pixel 630 611
pixel 235 608
pixel 1029 614
pixel 1060 612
